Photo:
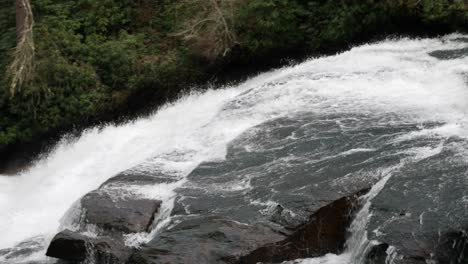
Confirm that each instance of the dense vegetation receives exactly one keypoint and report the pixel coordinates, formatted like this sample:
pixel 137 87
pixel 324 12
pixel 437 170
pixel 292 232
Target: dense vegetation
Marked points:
pixel 96 60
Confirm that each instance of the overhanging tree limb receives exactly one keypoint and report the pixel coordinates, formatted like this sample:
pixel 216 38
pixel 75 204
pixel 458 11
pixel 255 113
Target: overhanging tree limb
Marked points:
pixel 22 66
pixel 209 26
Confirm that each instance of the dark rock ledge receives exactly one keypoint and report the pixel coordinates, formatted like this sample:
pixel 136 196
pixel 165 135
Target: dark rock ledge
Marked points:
pixel 325 232
pixel 112 216
pixel 218 240
pixel 200 240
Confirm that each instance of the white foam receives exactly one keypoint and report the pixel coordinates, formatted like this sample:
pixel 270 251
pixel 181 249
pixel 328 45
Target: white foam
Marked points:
pixel 41 195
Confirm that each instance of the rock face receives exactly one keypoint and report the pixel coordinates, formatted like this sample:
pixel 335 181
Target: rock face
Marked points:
pixel 286 184
pixel 216 240
pixel 111 214
pixel 204 240
pixel 119 215
pixel 69 246
pixel 325 232
pixel 288 189
pixel 422 211
pixel 72 246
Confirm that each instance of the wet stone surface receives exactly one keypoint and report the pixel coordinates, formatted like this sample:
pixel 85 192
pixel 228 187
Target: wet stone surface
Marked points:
pixel 274 178
pixel 325 232
pixel 423 209
pixel 119 215
pixel 106 216
pixel 23 249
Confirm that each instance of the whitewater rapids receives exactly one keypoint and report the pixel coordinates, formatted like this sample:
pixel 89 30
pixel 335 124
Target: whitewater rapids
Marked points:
pixel 399 77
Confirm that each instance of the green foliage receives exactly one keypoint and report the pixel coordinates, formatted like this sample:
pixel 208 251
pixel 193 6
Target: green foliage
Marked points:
pixel 92 56
pixel 7 33
pixel 82 55
pixel 103 17
pixel 266 25
pixel 270 24
pixel 435 11
pixel 115 60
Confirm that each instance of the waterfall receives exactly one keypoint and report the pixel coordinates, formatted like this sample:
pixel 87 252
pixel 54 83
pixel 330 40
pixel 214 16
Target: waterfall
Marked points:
pixel 396 77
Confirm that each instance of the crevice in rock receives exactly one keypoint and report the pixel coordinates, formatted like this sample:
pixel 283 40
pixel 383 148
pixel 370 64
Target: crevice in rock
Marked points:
pixel 377 254
pixel 325 232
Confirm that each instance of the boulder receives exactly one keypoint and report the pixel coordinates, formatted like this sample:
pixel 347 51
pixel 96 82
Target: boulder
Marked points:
pixel 72 246
pixel 114 214
pixel 68 245
pixel 111 213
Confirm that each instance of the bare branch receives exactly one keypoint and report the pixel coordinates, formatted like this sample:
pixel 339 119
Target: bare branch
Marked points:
pixel 22 66
pixel 210 29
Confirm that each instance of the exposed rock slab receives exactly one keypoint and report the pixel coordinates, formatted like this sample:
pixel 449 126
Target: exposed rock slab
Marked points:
pixel 422 212
pixel 204 240
pixel 285 184
pixel 111 212
pixel 115 214
pixel 277 176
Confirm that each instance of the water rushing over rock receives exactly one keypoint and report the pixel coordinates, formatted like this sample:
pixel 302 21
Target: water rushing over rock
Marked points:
pixel 238 174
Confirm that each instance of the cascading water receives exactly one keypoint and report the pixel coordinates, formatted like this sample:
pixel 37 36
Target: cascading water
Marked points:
pixel 391 83
pixel 358 245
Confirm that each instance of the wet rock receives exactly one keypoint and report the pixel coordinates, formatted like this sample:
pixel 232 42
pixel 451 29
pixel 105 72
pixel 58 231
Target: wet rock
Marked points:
pixel 325 232
pixel 217 240
pixel 450 54
pixel 68 245
pixel 377 254
pixel 139 177
pixel 283 217
pixel 119 214
pixel 23 249
pixel 422 211
pixel 285 190
pixel 287 183
pixel 108 250
pixel 453 247
pixel 72 246
pixel 204 240
pixel 110 213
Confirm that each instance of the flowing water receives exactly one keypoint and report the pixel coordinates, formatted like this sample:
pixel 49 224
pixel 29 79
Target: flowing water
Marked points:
pixel 414 90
